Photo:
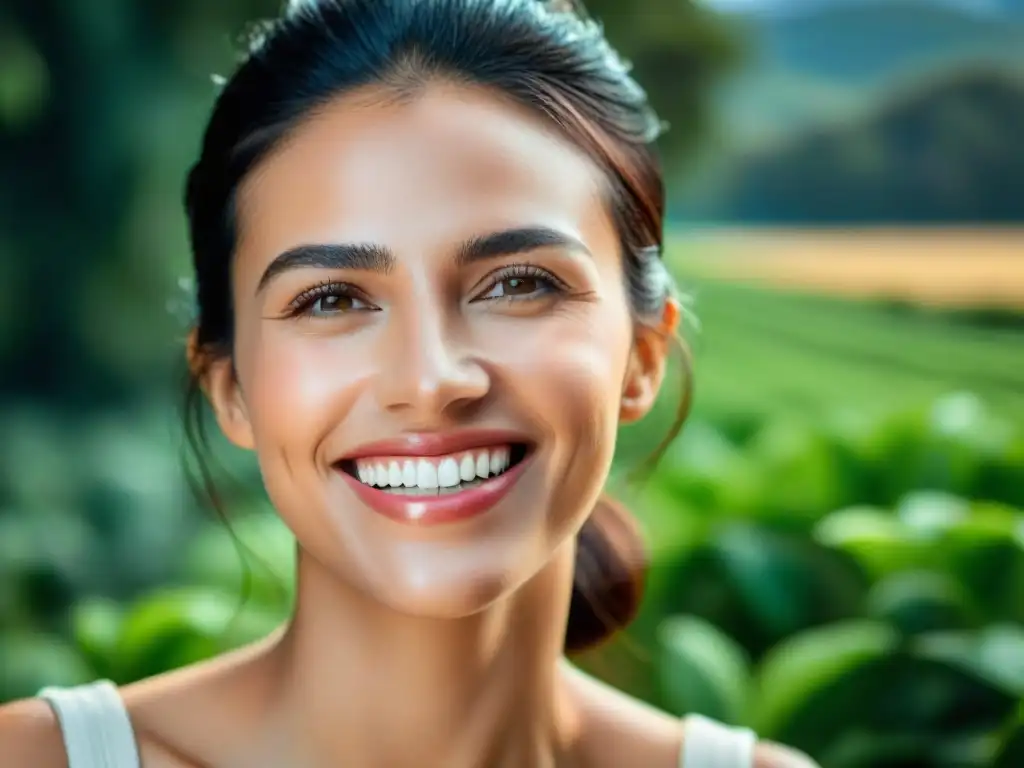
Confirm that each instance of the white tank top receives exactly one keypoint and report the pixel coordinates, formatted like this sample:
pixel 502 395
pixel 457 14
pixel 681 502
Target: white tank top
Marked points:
pixel 98 734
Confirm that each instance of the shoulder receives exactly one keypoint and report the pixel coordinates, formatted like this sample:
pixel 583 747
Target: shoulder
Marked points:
pixel 617 729
pixel 30 735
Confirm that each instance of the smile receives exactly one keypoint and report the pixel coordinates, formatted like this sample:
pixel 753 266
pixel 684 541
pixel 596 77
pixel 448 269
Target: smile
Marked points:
pixel 436 475
pixel 436 479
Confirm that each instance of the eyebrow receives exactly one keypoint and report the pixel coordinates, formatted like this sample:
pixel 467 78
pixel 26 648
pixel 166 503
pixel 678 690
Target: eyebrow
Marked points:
pixel 377 258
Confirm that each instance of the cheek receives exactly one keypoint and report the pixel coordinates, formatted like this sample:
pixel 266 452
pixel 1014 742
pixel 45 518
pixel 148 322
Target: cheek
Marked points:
pixel 299 385
pixel 569 371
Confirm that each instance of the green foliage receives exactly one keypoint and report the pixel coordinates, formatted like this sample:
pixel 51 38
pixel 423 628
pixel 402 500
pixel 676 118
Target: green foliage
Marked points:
pixel 872 617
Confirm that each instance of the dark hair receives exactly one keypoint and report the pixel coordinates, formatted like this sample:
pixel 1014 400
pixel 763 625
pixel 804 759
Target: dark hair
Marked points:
pixel 545 55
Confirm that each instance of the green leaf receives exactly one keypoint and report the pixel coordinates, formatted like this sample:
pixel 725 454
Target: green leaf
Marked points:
pixel 787 583
pixel 985 551
pixel 96 626
pixel 709 473
pixel 994 654
pixel 943 447
pixel 921 601
pixel 928 515
pixel 801 476
pixel 806 664
pixel 1011 752
pixel 866 748
pixel 876 539
pixel 177 627
pixel 703 670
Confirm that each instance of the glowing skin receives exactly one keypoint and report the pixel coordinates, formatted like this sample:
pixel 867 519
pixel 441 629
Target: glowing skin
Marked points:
pixel 427 345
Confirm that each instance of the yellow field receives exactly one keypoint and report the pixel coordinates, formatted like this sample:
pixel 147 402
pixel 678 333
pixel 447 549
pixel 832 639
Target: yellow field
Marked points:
pixel 944 267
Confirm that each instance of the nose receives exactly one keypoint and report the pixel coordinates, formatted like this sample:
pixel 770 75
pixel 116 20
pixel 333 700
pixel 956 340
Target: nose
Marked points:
pixel 427 372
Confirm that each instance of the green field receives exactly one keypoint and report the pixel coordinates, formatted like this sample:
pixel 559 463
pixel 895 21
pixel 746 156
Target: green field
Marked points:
pixel 766 351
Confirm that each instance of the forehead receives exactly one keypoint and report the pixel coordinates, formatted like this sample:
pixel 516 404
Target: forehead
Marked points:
pixel 449 163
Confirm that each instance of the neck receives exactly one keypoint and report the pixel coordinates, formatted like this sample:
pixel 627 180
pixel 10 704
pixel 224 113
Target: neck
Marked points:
pixel 359 684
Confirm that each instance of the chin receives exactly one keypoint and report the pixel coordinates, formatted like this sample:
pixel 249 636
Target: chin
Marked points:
pixel 449 598
pixel 453 583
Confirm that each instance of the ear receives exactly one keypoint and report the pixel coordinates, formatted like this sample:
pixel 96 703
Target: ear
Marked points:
pixel 646 368
pixel 217 379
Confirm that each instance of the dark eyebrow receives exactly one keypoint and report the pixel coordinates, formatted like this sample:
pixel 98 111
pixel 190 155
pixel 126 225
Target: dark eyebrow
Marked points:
pixel 377 258
pixel 373 258
pixel 512 241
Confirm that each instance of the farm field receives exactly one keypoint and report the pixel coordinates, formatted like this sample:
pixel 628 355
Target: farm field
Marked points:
pixel 941 267
pixel 791 329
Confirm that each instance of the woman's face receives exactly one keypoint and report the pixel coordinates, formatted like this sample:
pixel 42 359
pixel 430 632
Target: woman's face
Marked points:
pixel 441 274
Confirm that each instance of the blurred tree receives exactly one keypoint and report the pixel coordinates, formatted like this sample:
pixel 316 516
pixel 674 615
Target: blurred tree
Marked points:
pixel 678 48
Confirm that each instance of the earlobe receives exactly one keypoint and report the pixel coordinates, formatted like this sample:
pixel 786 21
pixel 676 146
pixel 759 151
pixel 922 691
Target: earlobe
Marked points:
pixel 646 368
pixel 216 376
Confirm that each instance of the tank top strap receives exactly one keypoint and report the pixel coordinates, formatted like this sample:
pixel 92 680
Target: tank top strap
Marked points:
pixel 710 744
pixel 95 725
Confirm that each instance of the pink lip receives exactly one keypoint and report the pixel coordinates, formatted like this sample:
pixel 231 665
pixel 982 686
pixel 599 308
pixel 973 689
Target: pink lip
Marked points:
pixel 435 444
pixel 441 509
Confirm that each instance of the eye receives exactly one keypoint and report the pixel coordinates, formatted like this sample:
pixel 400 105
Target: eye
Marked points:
pixel 329 299
pixel 522 282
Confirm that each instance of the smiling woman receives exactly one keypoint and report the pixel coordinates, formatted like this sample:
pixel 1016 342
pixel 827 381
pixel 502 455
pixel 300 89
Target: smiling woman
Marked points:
pixel 427 240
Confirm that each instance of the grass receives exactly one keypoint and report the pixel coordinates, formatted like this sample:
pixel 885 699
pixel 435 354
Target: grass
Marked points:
pixel 768 349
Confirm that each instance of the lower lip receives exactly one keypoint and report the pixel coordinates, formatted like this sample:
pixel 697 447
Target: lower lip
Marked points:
pixel 441 509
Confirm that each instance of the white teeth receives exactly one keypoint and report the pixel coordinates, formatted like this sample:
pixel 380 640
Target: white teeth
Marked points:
pixel 448 473
pixel 445 474
pixel 409 474
pixel 426 474
pixel 482 464
pixel 394 475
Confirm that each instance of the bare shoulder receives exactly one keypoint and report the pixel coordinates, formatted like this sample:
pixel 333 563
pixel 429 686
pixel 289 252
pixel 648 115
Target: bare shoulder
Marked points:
pixel 30 735
pixel 620 730
pixel 616 729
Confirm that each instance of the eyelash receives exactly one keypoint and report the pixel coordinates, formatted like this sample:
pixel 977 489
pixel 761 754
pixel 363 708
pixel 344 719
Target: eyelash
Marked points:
pixel 554 285
pixel 303 303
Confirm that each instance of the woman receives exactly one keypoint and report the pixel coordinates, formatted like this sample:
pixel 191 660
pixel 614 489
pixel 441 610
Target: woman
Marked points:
pixel 427 242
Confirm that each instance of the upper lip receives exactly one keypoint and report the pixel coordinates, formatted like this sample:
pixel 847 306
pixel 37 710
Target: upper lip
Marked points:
pixel 437 443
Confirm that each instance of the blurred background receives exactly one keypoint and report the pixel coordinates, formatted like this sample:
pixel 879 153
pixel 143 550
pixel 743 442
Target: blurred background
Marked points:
pixel 837 539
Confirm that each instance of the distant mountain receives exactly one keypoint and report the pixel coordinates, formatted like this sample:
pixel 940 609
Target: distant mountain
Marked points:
pixel 815 61
pixel 869 41
pixel 946 152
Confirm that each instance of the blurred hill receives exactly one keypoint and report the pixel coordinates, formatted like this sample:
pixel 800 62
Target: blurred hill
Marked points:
pixel 822 60
pixel 948 150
